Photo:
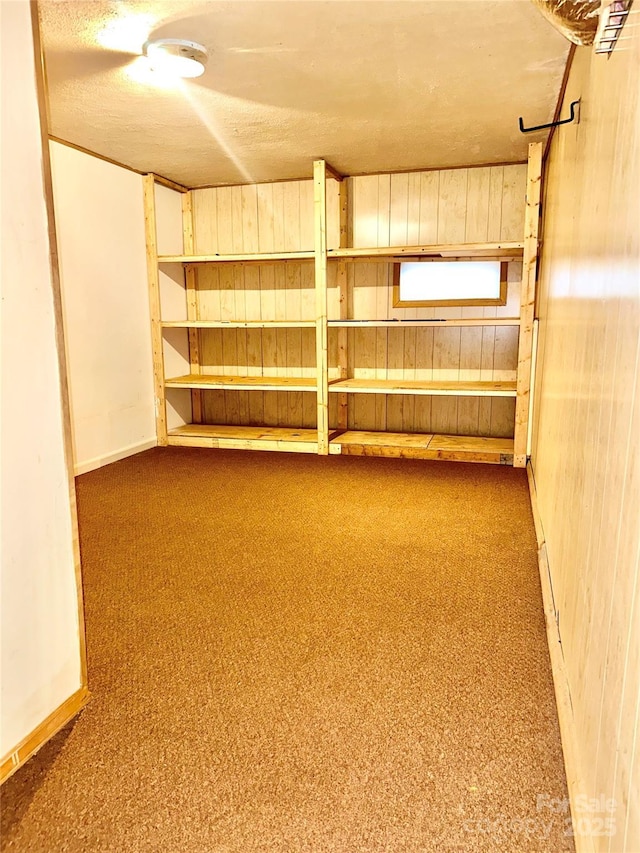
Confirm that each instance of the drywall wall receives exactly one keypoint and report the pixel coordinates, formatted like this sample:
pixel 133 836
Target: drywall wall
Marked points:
pixel 446 206
pixel 42 649
pixel 101 241
pixel 587 427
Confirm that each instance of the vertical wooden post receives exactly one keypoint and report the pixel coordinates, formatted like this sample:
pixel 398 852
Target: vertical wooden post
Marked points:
pixel 343 399
pixel 193 310
pixel 320 243
pixel 527 304
pixel 154 305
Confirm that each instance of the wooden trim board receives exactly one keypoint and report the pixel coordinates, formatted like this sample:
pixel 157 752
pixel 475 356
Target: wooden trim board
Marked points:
pixel 560 101
pixel 191 288
pixel 44 732
pixel 154 303
pixel 527 303
pixel 454 166
pixel 320 255
pixel 160 179
pixel 63 373
pixel 575 779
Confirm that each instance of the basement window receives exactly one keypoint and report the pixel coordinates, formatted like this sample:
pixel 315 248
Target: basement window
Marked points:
pixel 425 284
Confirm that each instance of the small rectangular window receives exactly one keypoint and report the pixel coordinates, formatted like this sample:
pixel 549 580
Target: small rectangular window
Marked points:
pixel 426 284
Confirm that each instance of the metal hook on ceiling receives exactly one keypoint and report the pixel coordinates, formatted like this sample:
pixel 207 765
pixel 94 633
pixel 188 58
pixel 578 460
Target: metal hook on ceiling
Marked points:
pixel 572 116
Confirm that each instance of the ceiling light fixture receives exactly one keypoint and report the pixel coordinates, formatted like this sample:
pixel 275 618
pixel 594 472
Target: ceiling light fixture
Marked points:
pixel 176 57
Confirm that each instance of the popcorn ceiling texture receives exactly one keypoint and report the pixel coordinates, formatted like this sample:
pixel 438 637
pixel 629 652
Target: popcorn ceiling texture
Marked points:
pixel 371 86
pixel 298 654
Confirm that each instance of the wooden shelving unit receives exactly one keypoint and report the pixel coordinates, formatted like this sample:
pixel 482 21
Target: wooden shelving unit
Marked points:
pixel 334 384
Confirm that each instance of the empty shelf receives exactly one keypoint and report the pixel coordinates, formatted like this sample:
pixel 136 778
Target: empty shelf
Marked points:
pixel 458 250
pixel 257 258
pixel 206 381
pixel 245 438
pixel 238 324
pixel 475 321
pixel 496 451
pixel 436 389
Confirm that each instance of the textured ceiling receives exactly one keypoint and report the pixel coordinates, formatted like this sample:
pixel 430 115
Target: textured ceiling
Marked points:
pixel 368 84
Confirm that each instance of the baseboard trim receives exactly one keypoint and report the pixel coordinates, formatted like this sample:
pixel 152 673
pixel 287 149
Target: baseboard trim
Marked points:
pixel 99 461
pixel 575 779
pixel 42 733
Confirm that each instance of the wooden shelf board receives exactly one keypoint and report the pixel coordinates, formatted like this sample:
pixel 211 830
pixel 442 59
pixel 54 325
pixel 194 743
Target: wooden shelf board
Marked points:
pixel 454 250
pixel 238 324
pixel 245 438
pixel 475 321
pixel 255 258
pixel 205 381
pixel 496 451
pixel 436 389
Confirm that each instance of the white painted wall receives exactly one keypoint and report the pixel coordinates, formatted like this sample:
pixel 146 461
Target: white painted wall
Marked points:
pixel 100 218
pixel 41 657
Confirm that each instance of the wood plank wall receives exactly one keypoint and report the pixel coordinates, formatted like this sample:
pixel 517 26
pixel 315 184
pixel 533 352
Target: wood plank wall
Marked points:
pixel 400 209
pixel 446 206
pixel 171 281
pixel 586 447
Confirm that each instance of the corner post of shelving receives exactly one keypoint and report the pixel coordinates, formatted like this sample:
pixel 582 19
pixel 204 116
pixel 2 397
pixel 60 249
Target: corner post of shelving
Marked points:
pixel 320 244
pixel 527 303
pixel 153 279
pixel 343 334
pixel 193 310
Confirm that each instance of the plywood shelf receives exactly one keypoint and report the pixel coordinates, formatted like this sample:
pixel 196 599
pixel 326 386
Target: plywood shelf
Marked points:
pixel 488 251
pixel 461 388
pixel 238 324
pixel 205 381
pixel 245 438
pixel 495 251
pixel 248 258
pixel 471 321
pixel 495 451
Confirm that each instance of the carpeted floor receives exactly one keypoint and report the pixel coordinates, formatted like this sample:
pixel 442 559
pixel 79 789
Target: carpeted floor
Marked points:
pixel 291 653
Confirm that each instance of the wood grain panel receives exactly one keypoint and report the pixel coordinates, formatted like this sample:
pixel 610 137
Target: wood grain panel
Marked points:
pixel 586 442
pixel 449 206
pixel 246 219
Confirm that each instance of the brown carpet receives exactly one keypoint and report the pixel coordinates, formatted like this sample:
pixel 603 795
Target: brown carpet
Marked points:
pixel 289 653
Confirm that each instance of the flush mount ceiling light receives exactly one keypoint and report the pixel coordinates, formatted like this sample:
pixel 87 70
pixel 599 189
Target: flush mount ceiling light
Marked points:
pixel 176 57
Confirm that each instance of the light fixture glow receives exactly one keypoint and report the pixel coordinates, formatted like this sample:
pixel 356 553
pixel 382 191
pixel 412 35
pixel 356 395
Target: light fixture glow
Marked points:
pixel 176 57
